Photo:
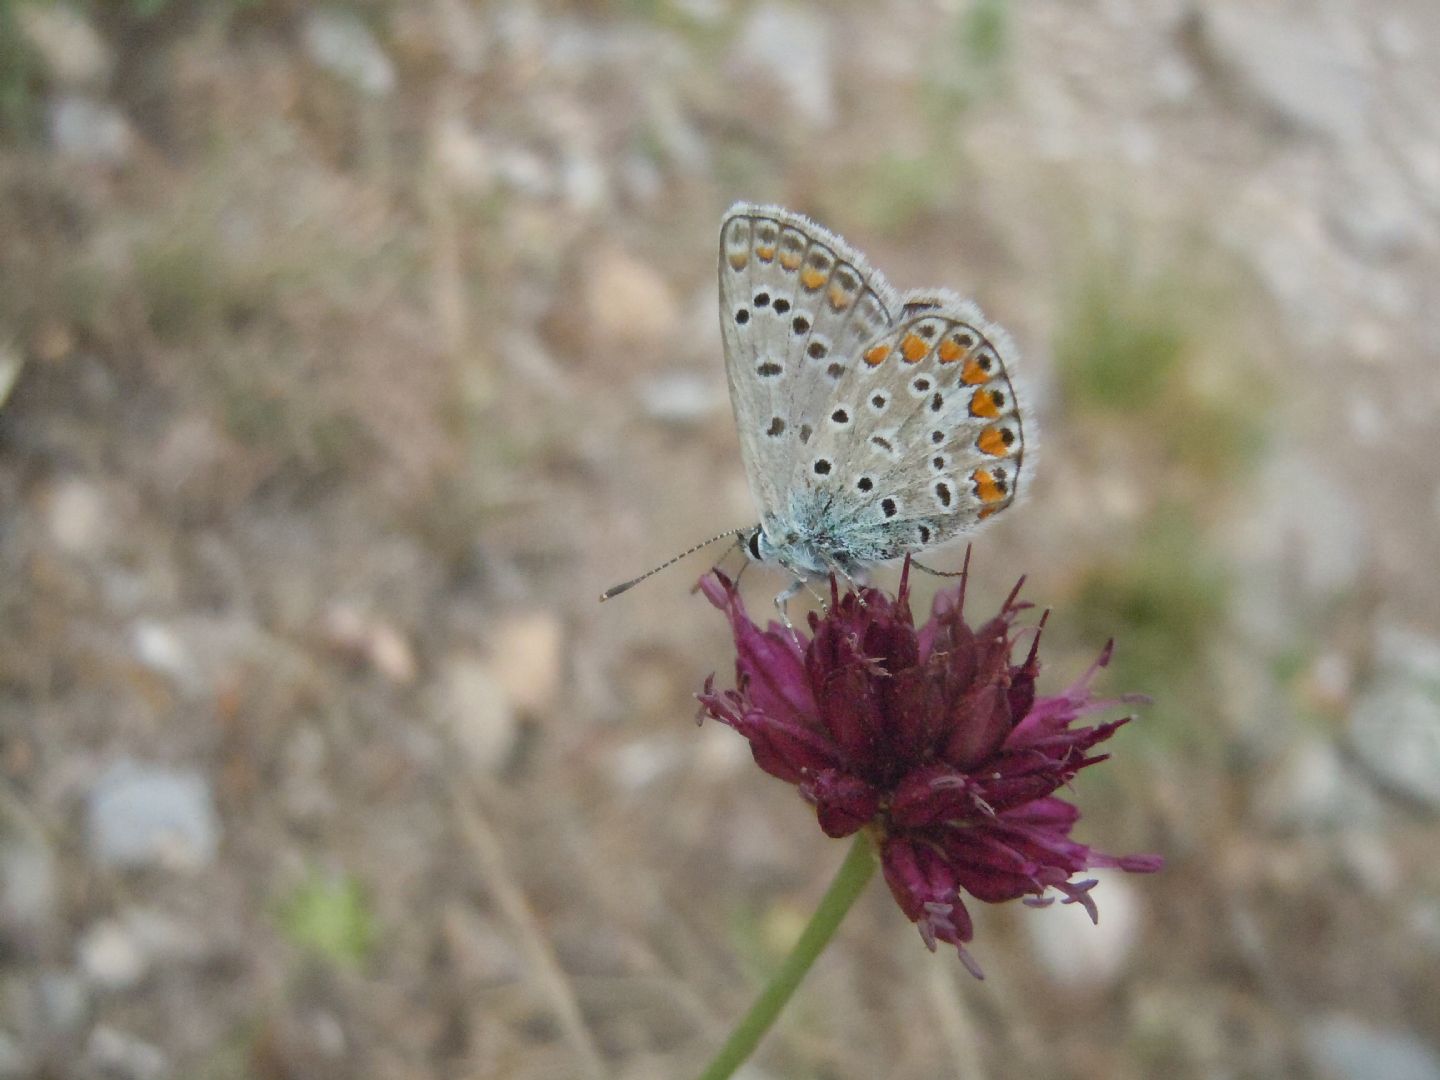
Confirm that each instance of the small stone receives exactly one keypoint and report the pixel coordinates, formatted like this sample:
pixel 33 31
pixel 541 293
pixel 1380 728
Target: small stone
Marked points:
pixel 27 872
pixel 147 815
pixel 90 131
pixel 1076 952
pixel 1347 1048
pixel 788 45
pixel 64 1002
pixel 110 956
pixel 372 640
pixel 159 648
pixel 682 398
pixel 525 172
pixel 464 157
pixel 1288 68
pixel 471 702
pixel 14 1065
pixel 11 364
pixel 341 44
pixel 74 55
pixel 117 1055
pixel 78 518
pixel 629 301
pixel 1395 722
pixel 527 657
pixel 1312 788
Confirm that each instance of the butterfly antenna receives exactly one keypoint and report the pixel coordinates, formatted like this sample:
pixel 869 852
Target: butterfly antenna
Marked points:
pixel 616 590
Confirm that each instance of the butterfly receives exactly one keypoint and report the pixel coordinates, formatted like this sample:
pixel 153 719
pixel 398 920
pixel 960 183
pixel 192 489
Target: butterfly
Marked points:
pixel 872 424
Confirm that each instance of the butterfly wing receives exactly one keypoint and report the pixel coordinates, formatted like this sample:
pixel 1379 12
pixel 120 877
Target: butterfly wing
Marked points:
pixel 925 436
pixel 796 305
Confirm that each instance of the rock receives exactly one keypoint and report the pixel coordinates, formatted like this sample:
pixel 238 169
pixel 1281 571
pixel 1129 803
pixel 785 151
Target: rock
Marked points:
pixel 789 45
pixel 14 1065
pixel 1313 788
pixel 27 872
pixel 464 157
pixel 117 953
pixel 78 517
pixel 525 172
pixel 681 398
pixel 74 55
pixel 471 703
pixel 160 649
pixel 527 657
pixel 147 815
pixel 11 364
pixel 116 1055
pixel 111 957
pixel 1301 520
pixel 1288 68
pixel 341 44
pixel 64 1002
pixel 1076 952
pixel 1347 1048
pixel 629 301
pixel 1395 722
pixel 377 643
pixel 90 131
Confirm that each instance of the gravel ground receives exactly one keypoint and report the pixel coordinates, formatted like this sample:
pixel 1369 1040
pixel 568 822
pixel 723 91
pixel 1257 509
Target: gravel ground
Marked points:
pixel 347 352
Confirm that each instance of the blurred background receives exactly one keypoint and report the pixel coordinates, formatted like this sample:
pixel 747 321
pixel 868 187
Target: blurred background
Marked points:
pixel 348 350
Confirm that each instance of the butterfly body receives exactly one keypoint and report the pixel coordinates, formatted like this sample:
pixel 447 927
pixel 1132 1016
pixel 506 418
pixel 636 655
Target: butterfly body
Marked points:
pixel 872 424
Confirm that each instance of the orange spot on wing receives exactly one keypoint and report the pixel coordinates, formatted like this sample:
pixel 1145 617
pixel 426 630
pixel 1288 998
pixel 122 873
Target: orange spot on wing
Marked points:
pixel 811 278
pixel 876 356
pixel 765 253
pixel 973 374
pixel 986 489
pixel 913 348
pixel 739 259
pixel 790 260
pixel 986 511
pixel 982 403
pixel 839 298
pixel 949 352
pixel 993 442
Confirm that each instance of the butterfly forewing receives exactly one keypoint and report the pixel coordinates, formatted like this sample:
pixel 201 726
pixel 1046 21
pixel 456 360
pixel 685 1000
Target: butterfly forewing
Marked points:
pixel 796 302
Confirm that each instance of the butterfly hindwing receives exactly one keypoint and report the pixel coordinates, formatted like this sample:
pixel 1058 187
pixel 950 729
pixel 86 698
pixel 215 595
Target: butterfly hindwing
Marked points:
pixel 937 443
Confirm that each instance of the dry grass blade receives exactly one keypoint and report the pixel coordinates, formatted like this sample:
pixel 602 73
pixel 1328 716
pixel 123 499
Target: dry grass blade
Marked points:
pixel 550 978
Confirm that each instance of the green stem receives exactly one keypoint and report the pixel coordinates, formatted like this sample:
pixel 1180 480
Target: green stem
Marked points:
pixel 850 881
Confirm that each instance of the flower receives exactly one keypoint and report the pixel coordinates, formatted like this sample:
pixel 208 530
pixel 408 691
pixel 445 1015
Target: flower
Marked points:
pixel 930 736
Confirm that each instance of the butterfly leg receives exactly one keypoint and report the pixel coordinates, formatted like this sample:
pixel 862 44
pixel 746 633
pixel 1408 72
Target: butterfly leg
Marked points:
pixel 783 597
pixel 836 568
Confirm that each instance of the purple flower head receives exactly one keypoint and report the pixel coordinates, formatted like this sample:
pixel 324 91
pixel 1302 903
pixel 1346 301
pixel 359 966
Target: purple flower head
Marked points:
pixel 933 737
